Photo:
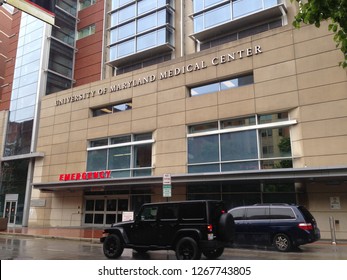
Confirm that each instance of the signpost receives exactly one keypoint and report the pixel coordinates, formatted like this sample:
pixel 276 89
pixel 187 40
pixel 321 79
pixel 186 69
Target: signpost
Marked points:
pixel 167 185
pixel 41 9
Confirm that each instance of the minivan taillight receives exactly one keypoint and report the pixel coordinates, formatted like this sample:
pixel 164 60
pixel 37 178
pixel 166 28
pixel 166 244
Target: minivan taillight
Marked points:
pixel 305 226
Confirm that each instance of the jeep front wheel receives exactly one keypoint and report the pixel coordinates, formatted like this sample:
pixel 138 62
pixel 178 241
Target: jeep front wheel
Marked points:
pixel 187 249
pixel 113 246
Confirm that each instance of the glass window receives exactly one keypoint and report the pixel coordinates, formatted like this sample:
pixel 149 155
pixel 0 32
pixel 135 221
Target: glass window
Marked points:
pixel 281 213
pixel 239 145
pixel 203 149
pixel 204 89
pixel 193 211
pixel 126 48
pixel 147 41
pixel 147 22
pixel 233 123
pixel 86 31
pixel 119 158
pixel 120 139
pixel 126 30
pixel 169 212
pixel 238 214
pixel 257 213
pixel 143 155
pixel 97 160
pixel 244 7
pixel 86 3
pixel 149 213
pixel 124 156
pixel 126 13
pixel 217 16
pixel 203 127
pixel 223 85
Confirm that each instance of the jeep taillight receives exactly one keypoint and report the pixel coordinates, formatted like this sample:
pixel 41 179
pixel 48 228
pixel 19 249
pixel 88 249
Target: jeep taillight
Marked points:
pixel 209 228
pixel 305 226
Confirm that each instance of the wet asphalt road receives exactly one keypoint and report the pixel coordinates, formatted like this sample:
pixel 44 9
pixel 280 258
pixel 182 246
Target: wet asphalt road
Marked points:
pixel 33 248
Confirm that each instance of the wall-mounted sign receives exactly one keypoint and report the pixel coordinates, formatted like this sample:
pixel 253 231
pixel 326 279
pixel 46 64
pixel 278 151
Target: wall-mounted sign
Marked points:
pixel 335 202
pixel 215 61
pixel 89 175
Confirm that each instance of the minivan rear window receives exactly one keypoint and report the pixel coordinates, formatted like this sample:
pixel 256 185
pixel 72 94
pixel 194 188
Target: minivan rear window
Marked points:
pixel 307 215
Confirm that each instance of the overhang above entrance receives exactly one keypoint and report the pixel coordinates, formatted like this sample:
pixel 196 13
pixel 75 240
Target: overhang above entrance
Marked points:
pixel 328 176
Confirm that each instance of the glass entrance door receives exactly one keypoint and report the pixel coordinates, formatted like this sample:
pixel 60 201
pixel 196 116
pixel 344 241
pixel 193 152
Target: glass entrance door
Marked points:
pixel 104 211
pixel 10 211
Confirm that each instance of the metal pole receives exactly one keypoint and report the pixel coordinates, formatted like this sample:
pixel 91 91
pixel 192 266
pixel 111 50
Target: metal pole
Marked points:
pixel 332 230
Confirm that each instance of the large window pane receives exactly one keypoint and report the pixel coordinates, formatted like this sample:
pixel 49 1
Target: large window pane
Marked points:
pixel 126 13
pixel 147 22
pixel 238 166
pixel 147 41
pixel 275 142
pixel 126 48
pixel 244 7
pixel 204 89
pixel 239 145
pixel 119 158
pixel 97 160
pixel 143 155
pixel 218 16
pixel 203 149
pixel 126 30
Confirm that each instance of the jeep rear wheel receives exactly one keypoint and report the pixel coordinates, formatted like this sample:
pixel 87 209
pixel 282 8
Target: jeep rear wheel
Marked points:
pixel 113 246
pixel 187 249
pixel 213 254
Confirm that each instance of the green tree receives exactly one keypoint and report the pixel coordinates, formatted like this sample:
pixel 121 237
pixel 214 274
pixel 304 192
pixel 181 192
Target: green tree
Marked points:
pixel 316 11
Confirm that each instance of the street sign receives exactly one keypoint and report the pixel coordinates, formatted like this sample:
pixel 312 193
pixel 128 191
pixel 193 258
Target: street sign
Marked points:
pixel 167 191
pixel 167 179
pixel 41 9
pixel 167 185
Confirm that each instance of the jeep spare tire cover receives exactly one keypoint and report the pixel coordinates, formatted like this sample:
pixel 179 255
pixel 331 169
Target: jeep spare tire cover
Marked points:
pixel 226 227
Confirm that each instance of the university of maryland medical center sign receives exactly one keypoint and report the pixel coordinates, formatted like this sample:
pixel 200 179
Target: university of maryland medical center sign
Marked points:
pixel 228 57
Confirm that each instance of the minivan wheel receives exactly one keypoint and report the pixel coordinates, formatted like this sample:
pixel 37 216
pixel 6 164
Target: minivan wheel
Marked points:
pixel 187 249
pixel 282 242
pixel 213 254
pixel 113 246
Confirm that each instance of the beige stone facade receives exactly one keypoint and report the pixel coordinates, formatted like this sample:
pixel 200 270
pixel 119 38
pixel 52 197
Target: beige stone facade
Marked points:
pixel 295 71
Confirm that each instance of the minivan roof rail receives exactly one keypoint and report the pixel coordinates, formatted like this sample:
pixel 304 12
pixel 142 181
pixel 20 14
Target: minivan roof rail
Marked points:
pixel 265 204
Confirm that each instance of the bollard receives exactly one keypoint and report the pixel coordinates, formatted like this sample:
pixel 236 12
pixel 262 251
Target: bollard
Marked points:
pixel 332 230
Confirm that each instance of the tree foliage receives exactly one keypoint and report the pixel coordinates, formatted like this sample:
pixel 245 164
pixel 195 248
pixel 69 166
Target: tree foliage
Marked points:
pixel 316 11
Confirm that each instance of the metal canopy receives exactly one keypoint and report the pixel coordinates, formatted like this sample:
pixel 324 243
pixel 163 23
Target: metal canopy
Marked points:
pixel 329 175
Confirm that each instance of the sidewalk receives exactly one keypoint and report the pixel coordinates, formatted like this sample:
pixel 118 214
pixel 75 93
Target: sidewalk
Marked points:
pixel 85 234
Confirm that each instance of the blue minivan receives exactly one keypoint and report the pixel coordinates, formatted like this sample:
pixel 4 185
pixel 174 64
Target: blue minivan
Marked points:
pixel 283 226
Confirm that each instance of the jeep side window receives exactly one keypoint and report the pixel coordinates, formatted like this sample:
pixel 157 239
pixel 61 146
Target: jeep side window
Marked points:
pixel 257 213
pixel 193 211
pixel 149 213
pixel 281 213
pixel 169 212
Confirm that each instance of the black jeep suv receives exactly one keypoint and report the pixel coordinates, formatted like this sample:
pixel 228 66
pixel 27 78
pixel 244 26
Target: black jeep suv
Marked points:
pixel 187 227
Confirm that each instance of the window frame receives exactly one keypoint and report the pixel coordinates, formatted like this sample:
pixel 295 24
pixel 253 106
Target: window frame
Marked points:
pixel 219 165
pixel 132 170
